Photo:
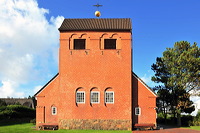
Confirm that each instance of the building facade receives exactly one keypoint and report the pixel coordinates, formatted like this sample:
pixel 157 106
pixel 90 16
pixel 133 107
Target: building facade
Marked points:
pixel 95 87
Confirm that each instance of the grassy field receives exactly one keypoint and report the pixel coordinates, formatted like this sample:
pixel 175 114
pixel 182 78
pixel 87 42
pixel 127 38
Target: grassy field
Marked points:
pixel 29 128
pixel 193 127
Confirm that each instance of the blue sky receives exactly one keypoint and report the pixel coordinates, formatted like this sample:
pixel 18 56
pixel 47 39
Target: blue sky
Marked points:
pixel 29 38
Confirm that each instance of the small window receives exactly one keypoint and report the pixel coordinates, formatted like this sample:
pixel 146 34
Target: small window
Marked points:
pixel 137 111
pixel 109 97
pixel 109 43
pixel 79 43
pixel 54 110
pixel 80 97
pixel 94 97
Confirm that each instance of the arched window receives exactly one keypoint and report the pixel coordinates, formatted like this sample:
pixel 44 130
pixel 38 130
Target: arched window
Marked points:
pixel 109 95
pixel 94 97
pixel 80 97
pixel 137 111
pixel 53 110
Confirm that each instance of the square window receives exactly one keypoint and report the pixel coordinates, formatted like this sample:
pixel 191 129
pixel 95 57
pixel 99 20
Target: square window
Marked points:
pixel 79 43
pixel 109 43
pixel 94 97
pixel 109 97
pixel 80 97
pixel 137 111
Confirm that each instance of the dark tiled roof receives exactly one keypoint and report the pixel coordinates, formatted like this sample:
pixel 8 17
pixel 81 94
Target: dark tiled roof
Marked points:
pixel 105 24
pixel 23 101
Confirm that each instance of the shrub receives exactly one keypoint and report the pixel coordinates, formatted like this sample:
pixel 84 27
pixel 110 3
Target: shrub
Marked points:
pixel 2 108
pixel 16 111
pixel 33 121
pixel 198 115
pixel 2 103
pixel 161 119
pixel 196 120
pixel 185 120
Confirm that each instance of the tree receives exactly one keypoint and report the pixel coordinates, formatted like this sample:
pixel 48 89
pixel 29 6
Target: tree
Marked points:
pixel 162 101
pixel 179 71
pixel 2 103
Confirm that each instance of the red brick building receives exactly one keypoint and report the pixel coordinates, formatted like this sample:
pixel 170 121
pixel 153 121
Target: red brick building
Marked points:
pixel 95 87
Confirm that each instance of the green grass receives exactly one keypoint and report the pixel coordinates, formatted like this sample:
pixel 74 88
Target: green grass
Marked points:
pixel 28 128
pixel 193 127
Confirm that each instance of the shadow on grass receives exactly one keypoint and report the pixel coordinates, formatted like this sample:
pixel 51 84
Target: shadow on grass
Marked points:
pixel 7 122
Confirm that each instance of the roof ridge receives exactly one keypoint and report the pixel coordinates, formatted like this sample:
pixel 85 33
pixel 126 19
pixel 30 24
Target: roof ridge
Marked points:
pixel 96 24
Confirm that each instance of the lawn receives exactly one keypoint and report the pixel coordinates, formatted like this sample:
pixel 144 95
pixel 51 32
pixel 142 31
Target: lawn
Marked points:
pixel 193 127
pixel 29 128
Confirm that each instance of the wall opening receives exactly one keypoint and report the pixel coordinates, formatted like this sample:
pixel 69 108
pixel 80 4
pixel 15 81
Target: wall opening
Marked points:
pixel 110 43
pixel 79 43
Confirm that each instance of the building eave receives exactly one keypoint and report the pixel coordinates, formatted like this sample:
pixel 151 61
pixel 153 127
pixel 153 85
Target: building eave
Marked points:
pixel 141 81
pixel 46 85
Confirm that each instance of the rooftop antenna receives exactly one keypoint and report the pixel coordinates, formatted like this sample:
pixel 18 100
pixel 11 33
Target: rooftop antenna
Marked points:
pixel 98 13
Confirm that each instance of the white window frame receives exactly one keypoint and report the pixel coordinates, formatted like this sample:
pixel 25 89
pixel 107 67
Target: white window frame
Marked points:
pixel 54 109
pixel 113 97
pixel 98 96
pixel 137 111
pixel 83 96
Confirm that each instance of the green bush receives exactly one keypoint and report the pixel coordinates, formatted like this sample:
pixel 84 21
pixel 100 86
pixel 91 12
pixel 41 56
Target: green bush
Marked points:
pixel 2 103
pixel 198 115
pixel 33 121
pixel 161 119
pixel 196 120
pixel 185 120
pixel 16 111
pixel 2 108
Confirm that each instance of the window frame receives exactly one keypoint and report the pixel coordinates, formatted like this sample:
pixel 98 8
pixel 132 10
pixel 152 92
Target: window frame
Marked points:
pixel 137 111
pixel 108 102
pixel 98 97
pixel 83 97
pixel 111 45
pixel 74 42
pixel 54 109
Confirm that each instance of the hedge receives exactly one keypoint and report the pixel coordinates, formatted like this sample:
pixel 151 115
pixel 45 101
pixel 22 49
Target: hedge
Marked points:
pixel 16 111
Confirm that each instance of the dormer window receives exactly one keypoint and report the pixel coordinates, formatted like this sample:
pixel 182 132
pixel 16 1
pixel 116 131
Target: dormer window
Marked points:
pixel 79 43
pixel 109 43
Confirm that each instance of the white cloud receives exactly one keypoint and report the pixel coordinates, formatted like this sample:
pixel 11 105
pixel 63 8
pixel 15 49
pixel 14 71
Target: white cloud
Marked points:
pixel 28 44
pixel 147 79
pixel 7 89
pixel 196 100
pixel 37 88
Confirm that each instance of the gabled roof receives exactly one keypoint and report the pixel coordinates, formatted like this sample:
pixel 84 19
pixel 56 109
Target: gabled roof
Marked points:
pixel 96 24
pixel 46 84
pixel 149 88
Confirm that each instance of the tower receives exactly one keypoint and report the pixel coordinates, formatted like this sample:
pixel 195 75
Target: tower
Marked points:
pixel 95 69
